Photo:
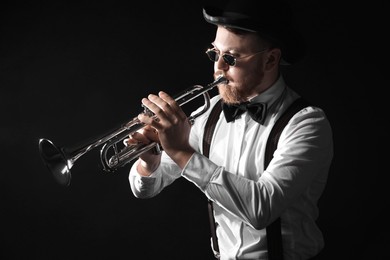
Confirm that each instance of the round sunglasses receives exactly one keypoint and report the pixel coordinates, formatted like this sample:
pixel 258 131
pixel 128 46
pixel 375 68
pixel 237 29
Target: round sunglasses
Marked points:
pixel 229 59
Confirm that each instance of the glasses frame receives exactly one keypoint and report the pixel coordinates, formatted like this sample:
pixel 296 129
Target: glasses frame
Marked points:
pixel 227 56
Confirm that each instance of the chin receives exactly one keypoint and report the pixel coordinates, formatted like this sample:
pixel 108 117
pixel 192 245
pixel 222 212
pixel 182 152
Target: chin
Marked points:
pixel 230 94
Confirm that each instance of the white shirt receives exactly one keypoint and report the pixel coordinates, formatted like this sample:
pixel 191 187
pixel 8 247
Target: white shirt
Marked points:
pixel 246 197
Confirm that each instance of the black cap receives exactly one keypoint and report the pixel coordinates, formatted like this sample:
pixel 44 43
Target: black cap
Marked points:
pixel 272 19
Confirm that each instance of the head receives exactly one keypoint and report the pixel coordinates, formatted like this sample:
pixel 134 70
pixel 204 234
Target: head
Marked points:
pixel 256 65
pixel 259 35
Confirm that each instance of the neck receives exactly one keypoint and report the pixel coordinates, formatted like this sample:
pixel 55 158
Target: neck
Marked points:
pixel 264 85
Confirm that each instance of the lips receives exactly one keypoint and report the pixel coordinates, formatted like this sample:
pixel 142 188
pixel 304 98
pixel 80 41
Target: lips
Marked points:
pixel 216 75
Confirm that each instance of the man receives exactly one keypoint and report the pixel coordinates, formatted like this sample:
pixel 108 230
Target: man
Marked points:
pixel 253 39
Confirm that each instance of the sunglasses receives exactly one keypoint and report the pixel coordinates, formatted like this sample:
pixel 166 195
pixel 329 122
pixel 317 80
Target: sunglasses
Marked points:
pixel 229 59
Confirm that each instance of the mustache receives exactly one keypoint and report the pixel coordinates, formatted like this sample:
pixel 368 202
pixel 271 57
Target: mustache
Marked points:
pixel 218 74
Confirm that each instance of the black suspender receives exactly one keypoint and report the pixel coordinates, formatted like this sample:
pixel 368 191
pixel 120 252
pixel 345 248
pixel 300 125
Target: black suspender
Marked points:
pixel 207 136
pixel 274 235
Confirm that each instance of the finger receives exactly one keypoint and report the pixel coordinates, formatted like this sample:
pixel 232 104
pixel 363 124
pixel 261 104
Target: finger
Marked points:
pixel 150 133
pixel 174 106
pixel 149 121
pixel 150 110
pixel 160 109
pixel 137 137
pixel 167 98
pixel 130 141
pixel 153 103
pixel 162 104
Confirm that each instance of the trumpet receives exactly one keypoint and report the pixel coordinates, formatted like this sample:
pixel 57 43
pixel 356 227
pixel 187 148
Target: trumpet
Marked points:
pixel 60 160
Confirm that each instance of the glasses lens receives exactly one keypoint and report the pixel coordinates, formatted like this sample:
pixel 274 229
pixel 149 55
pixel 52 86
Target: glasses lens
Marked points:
pixel 229 59
pixel 213 55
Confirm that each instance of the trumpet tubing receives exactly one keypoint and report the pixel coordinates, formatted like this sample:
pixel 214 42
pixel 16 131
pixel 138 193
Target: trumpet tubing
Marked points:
pixel 59 160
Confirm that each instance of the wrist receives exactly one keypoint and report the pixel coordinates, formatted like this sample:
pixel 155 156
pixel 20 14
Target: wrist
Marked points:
pixel 146 169
pixel 181 158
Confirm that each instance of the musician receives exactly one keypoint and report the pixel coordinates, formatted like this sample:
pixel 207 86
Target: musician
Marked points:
pixel 253 40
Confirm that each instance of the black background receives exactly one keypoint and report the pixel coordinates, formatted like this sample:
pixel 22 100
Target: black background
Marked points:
pixel 70 72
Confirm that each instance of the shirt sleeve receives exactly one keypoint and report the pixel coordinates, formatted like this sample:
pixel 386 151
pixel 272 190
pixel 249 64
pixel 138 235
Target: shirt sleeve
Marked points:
pixel 300 165
pixel 150 186
pixel 168 171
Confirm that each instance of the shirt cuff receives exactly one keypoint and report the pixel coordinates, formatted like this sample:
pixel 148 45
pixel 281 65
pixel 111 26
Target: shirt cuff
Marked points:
pixel 142 186
pixel 199 170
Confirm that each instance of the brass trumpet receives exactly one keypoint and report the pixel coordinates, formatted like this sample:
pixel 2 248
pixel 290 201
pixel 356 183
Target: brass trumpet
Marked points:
pixel 59 160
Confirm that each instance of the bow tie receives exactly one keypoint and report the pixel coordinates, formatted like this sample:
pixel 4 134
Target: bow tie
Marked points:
pixel 257 111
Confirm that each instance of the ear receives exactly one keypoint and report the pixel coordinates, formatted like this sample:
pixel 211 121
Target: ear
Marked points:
pixel 273 57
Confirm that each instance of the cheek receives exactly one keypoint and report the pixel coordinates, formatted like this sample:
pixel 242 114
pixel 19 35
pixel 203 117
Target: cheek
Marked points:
pixel 241 76
pixel 249 75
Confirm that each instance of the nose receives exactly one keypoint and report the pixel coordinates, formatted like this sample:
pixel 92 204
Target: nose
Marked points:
pixel 220 64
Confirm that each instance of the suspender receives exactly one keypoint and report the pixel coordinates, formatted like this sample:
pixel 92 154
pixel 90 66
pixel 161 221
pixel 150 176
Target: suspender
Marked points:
pixel 208 135
pixel 274 235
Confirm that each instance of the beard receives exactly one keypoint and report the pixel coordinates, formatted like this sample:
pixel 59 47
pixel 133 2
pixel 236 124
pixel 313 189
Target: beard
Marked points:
pixel 242 87
pixel 231 95
pixel 239 92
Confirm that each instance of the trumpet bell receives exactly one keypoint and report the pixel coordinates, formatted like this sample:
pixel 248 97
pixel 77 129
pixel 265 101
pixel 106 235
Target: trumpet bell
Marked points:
pixel 56 161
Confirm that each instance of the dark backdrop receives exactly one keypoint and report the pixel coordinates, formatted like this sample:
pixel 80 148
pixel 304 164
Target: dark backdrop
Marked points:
pixel 73 71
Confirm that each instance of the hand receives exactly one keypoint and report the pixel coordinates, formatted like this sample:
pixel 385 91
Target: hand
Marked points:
pixel 172 126
pixel 149 160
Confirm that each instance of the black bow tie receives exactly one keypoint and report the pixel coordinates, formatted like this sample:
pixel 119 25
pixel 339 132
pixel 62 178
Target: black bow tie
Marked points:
pixel 256 110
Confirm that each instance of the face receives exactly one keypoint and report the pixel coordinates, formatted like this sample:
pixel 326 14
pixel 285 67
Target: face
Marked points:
pixel 247 76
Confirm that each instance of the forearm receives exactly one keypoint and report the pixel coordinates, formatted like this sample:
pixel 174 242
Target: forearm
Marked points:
pixel 236 194
pixel 146 169
pixel 181 158
pixel 251 201
pixel 150 184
